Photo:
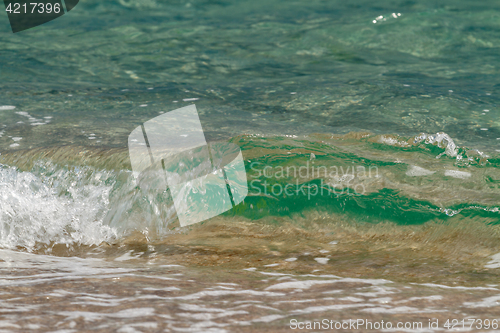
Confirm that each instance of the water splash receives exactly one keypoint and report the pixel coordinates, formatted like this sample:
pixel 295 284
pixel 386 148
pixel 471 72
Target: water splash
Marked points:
pixel 56 203
pixel 53 205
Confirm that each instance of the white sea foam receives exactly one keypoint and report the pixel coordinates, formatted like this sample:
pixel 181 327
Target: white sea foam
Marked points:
pixel 218 293
pixel 309 283
pixel 442 140
pixel 487 302
pixel 323 308
pixel 322 261
pixel 416 171
pixel 392 141
pixel 7 107
pixel 494 262
pixel 67 207
pixel 399 309
pixel 457 174
pixel 454 287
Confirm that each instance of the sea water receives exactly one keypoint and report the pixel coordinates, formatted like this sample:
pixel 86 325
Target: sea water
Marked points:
pixel 371 141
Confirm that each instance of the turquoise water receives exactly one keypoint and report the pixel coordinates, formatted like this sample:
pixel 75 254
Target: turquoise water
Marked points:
pixel 371 141
pixel 432 69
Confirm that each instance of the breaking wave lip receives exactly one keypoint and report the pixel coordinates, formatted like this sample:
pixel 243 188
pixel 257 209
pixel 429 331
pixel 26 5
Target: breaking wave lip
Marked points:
pixel 463 155
pixel 54 204
pixel 76 205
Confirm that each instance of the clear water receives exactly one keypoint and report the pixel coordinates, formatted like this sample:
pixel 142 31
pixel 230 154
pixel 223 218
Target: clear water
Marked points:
pixel 396 100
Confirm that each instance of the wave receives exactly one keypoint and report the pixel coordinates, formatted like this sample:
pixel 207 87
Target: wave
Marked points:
pixel 77 196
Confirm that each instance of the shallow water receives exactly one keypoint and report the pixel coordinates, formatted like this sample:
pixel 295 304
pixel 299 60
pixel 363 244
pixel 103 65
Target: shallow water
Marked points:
pixel 370 138
pixel 132 294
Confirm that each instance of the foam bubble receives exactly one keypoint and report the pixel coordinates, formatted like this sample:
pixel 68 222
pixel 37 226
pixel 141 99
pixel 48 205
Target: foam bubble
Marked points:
pixel 322 261
pixel 416 171
pixel 457 174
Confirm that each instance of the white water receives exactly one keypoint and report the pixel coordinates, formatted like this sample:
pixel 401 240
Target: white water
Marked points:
pixel 53 205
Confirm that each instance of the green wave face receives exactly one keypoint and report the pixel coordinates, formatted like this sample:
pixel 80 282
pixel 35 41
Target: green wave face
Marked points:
pixel 364 178
pixel 420 204
pixel 372 179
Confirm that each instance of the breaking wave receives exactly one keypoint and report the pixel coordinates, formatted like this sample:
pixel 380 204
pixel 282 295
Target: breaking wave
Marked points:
pixel 417 180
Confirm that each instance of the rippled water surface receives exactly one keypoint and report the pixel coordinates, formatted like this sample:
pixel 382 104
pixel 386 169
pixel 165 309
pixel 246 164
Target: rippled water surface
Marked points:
pixel 370 136
pixel 132 294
